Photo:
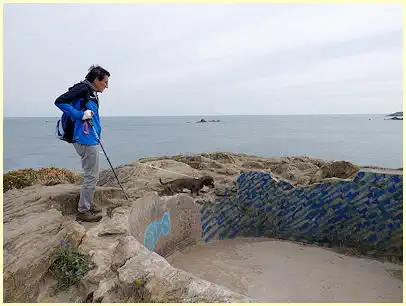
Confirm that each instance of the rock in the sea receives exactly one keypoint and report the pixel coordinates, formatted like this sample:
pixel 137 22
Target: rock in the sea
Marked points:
pixel 395 114
pixel 204 120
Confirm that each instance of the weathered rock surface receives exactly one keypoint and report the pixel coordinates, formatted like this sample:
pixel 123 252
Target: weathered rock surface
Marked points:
pixel 34 224
pixel 146 276
pixel 32 228
pixel 116 224
pixel 225 168
pixel 183 222
pixel 36 218
pixel 335 169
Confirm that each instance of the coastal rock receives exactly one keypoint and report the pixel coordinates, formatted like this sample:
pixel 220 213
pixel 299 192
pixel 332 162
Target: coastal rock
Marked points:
pixel 33 228
pixel 116 224
pixel 178 215
pixel 106 292
pixel 126 248
pixel 174 285
pixel 397 114
pixel 335 169
pixel 36 219
pixel 148 276
pixel 221 157
pixel 102 260
pixel 143 176
pixel 130 261
pixel 204 120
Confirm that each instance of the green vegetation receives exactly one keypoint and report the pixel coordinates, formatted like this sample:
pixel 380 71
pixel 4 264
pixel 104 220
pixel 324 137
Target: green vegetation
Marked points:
pixel 70 266
pixel 45 176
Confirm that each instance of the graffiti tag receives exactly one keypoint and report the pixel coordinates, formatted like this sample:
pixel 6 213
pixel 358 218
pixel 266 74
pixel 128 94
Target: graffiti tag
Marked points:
pixel 155 229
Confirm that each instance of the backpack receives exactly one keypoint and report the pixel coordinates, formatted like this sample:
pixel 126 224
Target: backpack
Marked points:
pixel 66 124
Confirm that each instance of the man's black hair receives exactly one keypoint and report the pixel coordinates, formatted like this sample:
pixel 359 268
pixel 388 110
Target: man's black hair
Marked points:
pixel 96 72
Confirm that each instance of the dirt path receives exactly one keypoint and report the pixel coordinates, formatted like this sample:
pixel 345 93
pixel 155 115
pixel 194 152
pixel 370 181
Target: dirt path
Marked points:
pixel 277 271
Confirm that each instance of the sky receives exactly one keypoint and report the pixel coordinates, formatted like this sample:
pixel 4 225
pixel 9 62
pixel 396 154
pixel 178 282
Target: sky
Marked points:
pixel 206 58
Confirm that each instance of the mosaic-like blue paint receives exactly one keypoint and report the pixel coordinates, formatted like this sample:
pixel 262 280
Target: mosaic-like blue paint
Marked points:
pixel 155 229
pixel 364 213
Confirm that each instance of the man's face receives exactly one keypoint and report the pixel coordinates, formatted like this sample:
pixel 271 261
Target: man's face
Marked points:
pixel 101 85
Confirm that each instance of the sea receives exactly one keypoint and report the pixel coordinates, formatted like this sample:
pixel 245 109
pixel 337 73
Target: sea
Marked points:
pixel 366 140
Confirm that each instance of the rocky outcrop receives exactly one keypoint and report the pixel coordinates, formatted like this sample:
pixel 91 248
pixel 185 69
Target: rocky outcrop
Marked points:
pixel 130 243
pixel 143 175
pixel 335 169
pixel 396 114
pixel 141 275
pixel 182 222
pixel 33 227
pixel 35 220
pixel 204 120
pixel 38 217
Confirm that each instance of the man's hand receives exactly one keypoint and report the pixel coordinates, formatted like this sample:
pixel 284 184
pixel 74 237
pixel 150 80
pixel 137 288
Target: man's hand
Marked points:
pixel 87 115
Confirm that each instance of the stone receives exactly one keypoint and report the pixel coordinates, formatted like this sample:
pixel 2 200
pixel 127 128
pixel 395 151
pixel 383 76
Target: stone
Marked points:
pixel 130 247
pixel 117 224
pixel 335 169
pixel 126 248
pixel 163 224
pixel 141 267
pixel 106 291
pixel 102 260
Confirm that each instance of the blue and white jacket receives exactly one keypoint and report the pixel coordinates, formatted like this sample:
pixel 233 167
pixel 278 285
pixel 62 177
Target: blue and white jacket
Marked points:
pixel 72 104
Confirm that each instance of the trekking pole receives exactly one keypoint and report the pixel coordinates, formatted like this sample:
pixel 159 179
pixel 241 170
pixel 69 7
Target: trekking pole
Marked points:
pixel 105 154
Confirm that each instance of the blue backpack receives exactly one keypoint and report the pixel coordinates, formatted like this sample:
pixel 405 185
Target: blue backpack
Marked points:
pixel 65 126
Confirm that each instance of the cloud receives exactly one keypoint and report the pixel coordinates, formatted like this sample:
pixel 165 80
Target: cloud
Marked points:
pixel 180 59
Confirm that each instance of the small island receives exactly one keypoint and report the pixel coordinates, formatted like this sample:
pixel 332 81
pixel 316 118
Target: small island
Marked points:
pixel 203 121
pixel 395 116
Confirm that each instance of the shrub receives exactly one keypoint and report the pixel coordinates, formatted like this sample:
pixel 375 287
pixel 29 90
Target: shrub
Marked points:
pixel 53 176
pixel 19 178
pixel 45 176
pixel 70 266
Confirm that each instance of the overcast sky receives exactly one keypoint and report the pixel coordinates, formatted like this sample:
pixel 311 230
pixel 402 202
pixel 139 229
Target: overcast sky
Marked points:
pixel 206 59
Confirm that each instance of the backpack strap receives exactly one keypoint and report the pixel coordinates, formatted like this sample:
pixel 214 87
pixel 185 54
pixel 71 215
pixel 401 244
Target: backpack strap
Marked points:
pixel 86 99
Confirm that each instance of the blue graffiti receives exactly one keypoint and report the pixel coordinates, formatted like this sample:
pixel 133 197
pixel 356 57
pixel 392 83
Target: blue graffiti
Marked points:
pixel 155 229
pixel 367 210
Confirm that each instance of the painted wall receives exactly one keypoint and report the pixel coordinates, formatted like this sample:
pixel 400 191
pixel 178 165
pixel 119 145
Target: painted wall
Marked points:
pixel 165 224
pixel 365 213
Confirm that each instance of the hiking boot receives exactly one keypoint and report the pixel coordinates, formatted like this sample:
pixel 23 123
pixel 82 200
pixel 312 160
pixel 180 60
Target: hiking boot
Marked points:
pixel 95 210
pixel 88 217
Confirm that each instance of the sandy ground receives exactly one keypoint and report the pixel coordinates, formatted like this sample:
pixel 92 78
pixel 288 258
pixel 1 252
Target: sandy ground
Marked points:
pixel 280 271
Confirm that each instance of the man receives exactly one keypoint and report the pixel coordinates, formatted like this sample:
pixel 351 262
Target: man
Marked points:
pixel 84 139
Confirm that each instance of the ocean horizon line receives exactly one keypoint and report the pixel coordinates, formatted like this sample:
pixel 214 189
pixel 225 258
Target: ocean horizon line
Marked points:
pixel 210 116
